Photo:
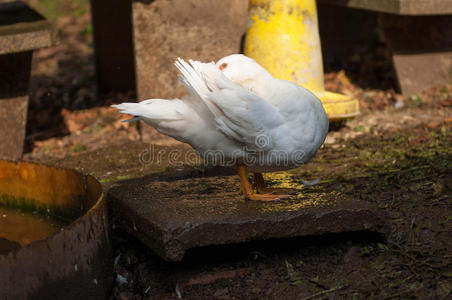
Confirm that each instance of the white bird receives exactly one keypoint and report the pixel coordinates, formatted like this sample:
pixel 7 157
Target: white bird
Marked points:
pixel 237 114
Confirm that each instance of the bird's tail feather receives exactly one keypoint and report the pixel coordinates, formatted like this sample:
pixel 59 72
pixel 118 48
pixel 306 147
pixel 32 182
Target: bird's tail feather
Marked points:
pixel 128 108
pixel 153 109
pixel 195 77
pixel 134 119
pixel 191 78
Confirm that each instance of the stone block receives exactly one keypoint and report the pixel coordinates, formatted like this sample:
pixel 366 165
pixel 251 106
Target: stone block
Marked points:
pixel 198 29
pixel 418 71
pixel 418 33
pixel 21 31
pixel 421 49
pixel 173 214
pixel 14 79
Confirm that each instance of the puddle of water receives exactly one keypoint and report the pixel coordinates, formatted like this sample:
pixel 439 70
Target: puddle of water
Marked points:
pixel 18 229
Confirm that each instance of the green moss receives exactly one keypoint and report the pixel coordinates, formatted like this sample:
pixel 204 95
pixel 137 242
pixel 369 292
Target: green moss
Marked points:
pixel 63 216
pixel 52 9
pixel 79 148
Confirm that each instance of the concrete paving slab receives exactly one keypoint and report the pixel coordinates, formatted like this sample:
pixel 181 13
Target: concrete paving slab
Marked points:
pixel 172 214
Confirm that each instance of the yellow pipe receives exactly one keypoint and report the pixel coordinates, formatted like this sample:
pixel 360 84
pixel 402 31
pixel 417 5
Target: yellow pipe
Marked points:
pixel 283 37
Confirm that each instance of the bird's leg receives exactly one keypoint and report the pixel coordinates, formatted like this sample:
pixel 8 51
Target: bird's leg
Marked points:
pixel 247 190
pixel 259 183
pixel 261 187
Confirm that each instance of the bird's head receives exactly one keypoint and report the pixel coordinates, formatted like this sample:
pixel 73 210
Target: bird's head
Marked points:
pixel 243 70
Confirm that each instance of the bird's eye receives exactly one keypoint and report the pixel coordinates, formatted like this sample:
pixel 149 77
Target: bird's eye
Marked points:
pixel 223 66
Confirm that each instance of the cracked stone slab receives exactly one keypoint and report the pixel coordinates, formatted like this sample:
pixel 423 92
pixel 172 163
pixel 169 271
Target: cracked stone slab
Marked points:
pixel 173 214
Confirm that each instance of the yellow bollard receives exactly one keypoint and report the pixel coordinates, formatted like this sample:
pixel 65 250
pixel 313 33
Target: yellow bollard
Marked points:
pixel 283 37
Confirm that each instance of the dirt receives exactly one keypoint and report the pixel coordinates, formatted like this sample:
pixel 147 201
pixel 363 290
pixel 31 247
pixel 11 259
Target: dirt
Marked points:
pixel 396 155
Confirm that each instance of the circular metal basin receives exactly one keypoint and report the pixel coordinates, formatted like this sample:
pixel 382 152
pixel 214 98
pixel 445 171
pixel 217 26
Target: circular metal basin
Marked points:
pixel 54 240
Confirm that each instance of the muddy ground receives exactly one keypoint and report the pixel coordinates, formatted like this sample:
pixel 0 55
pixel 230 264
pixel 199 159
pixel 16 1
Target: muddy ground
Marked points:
pixel 396 155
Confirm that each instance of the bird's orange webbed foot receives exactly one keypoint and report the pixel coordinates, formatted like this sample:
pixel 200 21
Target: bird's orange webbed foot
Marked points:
pixel 261 187
pixel 266 197
pixel 247 190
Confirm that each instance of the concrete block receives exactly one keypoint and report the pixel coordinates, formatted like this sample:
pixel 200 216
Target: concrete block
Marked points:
pixel 172 215
pixel 14 80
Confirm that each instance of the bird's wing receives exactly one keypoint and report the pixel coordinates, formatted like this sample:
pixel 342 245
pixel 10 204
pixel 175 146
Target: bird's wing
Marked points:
pixel 302 110
pixel 238 113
